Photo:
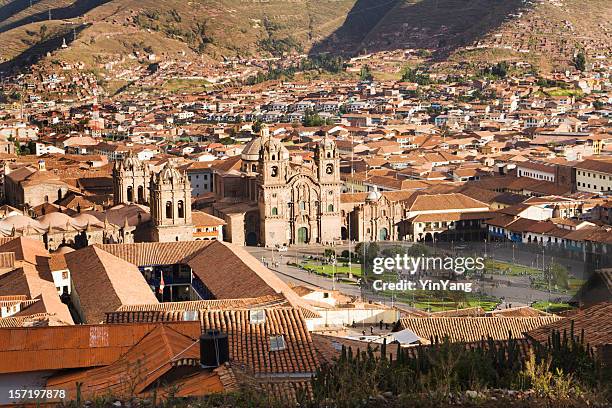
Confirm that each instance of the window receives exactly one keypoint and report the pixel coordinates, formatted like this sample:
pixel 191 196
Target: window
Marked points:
pixel 274 171
pixel 303 205
pixel 274 211
pixel 65 275
pixel 330 208
pixel 168 209
pixel 277 343
pixel 181 209
pixel 130 194
pixel 257 316
pixel 141 198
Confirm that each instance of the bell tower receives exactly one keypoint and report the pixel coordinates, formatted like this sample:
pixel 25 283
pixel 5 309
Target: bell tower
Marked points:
pixel 327 164
pixel 273 161
pixel 170 206
pixel 273 199
pixel 130 181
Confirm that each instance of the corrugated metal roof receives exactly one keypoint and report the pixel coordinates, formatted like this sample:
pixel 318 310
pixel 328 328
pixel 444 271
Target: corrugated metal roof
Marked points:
pixel 61 347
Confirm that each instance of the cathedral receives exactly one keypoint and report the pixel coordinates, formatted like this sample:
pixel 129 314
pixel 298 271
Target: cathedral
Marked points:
pixel 281 201
pixel 273 199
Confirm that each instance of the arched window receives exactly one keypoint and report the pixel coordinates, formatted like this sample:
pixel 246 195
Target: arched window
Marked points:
pixel 253 168
pixel 141 197
pixel 130 194
pixel 274 171
pixel 168 209
pixel 303 205
pixel 181 209
pixel 274 211
pixel 330 208
pixel 273 157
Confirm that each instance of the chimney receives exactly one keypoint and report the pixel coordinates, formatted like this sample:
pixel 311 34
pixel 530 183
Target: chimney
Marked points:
pixel 214 349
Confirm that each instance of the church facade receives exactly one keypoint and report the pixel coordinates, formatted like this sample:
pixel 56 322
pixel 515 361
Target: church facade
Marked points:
pixel 167 193
pixel 284 201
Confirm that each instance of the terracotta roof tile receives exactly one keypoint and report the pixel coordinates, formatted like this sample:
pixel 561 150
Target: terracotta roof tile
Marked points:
pixel 250 343
pixel 105 282
pixel 467 329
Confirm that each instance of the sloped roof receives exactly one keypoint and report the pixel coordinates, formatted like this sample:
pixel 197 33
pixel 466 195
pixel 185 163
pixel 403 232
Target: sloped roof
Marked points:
pixel 467 329
pixel 175 311
pixel 31 282
pixel 250 343
pixel 452 201
pixel 25 249
pixel 521 311
pixel 161 349
pixel 105 282
pixel 202 219
pixel 155 253
pixel 596 321
pixel 80 346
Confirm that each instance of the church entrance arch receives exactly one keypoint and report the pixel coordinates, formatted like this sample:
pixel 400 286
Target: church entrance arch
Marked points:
pixel 344 233
pixel 383 234
pixel 251 239
pixel 302 237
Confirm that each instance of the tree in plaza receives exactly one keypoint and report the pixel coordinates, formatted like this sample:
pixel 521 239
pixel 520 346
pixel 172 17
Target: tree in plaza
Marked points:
pixel 557 275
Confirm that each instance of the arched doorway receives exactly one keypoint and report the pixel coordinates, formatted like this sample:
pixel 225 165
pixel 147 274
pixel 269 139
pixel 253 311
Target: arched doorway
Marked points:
pixel 344 233
pixel 383 234
pixel 302 237
pixel 251 239
pixel 428 237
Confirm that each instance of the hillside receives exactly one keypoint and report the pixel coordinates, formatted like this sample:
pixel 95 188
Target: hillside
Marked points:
pixel 456 29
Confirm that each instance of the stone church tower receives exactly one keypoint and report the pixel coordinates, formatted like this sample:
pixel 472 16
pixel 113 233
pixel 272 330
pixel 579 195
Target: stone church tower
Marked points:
pixel 170 206
pixel 327 163
pixel 273 170
pixel 130 181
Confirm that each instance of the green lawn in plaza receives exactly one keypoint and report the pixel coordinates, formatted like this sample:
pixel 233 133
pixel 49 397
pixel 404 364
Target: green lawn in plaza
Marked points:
pixel 438 301
pixel 551 307
pixel 328 270
pixel 507 268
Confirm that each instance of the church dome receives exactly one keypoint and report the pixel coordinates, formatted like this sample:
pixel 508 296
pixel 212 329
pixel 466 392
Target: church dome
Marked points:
pixel 19 222
pixel 373 196
pixel 56 220
pixel 251 150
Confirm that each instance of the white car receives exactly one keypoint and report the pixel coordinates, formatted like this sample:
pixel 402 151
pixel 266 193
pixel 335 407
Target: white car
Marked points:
pixel 282 248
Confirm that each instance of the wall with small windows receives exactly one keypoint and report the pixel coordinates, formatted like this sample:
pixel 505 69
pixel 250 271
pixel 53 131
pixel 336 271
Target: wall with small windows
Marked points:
pixel 593 181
